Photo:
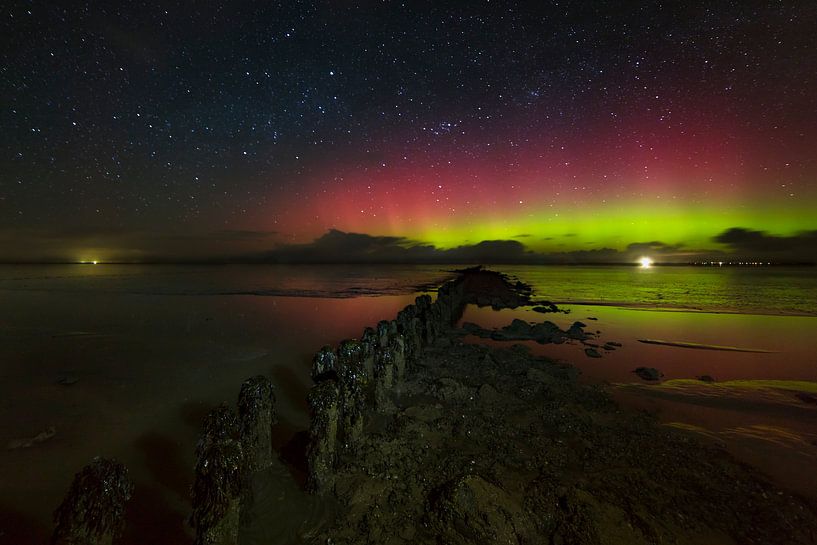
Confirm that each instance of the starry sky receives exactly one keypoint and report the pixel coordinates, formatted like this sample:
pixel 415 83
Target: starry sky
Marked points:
pixel 136 131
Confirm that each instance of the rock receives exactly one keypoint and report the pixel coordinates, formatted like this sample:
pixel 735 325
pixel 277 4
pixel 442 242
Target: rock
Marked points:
pixel 383 332
pixel 92 512
pixel 324 365
pixel 613 343
pixel 472 510
pixel 384 377
pixel 576 331
pixel 705 378
pixel 546 307
pixel 608 347
pixel 67 381
pixel 471 327
pixel 592 352
pixel 648 373
pixel 218 479
pixel 547 332
pixel 324 408
pixel 256 414
pixel 518 327
pixel 370 341
pixel 592 318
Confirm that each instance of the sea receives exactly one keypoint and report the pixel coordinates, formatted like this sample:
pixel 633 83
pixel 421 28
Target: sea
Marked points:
pixel 123 361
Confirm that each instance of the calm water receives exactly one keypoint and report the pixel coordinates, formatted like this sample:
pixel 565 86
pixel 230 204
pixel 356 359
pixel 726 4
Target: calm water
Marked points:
pixel 761 290
pixel 148 350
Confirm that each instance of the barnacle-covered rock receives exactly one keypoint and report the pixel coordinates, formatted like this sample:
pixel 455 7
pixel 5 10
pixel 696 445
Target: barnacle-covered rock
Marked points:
pixel 398 351
pixel 324 405
pixel 218 479
pixel 324 364
pixel 256 413
pixel 93 510
pixel 384 374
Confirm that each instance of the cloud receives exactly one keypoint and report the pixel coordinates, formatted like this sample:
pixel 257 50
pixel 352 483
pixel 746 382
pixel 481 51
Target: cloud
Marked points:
pixel 751 244
pixel 654 247
pixel 341 247
pixel 338 246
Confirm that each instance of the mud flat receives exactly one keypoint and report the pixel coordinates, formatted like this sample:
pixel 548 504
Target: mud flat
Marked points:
pixel 474 444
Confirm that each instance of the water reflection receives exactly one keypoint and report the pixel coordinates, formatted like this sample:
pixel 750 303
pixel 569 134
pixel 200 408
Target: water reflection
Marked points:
pixel 759 407
pixel 124 361
pixel 143 373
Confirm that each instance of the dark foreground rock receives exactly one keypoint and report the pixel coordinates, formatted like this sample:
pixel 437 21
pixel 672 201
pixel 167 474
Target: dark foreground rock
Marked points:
pixel 485 288
pixel 481 446
pixel 92 512
pixel 520 330
pixel 648 373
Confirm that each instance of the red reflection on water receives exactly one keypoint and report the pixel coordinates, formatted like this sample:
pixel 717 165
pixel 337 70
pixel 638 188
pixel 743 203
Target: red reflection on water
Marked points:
pixel 768 427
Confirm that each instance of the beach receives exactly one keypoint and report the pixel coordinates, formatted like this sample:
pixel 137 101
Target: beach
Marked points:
pixel 127 366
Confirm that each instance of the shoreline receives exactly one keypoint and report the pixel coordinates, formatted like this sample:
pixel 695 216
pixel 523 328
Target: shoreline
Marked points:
pixel 452 450
pixel 415 375
pixel 647 307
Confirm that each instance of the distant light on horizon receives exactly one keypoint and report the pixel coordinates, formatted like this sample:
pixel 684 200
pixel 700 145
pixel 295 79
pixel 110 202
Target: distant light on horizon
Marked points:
pixel 646 262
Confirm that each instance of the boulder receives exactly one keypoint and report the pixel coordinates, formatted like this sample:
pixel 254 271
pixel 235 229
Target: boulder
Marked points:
pixel 218 479
pixel 324 409
pixel 324 365
pixel 648 373
pixel 92 512
pixel 256 414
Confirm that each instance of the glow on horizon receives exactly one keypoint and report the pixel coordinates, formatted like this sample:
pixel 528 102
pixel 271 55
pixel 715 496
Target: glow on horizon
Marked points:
pixel 574 227
pixel 646 262
pixel 444 210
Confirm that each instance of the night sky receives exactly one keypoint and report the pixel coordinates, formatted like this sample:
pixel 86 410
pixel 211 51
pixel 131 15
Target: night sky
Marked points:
pixel 420 129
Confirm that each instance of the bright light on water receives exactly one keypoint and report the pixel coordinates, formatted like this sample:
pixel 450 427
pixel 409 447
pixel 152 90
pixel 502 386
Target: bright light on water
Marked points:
pixel 645 262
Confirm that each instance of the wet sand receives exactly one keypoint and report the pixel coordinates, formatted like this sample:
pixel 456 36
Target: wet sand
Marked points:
pixel 131 376
pixel 762 423
pixel 142 386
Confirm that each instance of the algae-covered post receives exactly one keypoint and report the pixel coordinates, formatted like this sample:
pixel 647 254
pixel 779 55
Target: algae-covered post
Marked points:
pixel 92 512
pixel 398 352
pixel 384 373
pixel 407 325
pixel 369 370
pixel 370 344
pixel 218 479
pixel 354 381
pixel 256 412
pixel 324 401
pixel 324 365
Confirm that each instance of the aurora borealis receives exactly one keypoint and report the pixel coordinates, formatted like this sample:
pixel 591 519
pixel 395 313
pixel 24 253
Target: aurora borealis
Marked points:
pixel 141 132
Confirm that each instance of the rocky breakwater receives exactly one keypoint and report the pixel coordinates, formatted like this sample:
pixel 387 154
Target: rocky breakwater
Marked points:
pixel 477 444
pixel 92 512
pixel 233 447
pixel 359 379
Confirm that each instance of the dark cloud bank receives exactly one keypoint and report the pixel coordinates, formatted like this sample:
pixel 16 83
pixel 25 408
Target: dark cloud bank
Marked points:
pixel 341 247
pixel 335 246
